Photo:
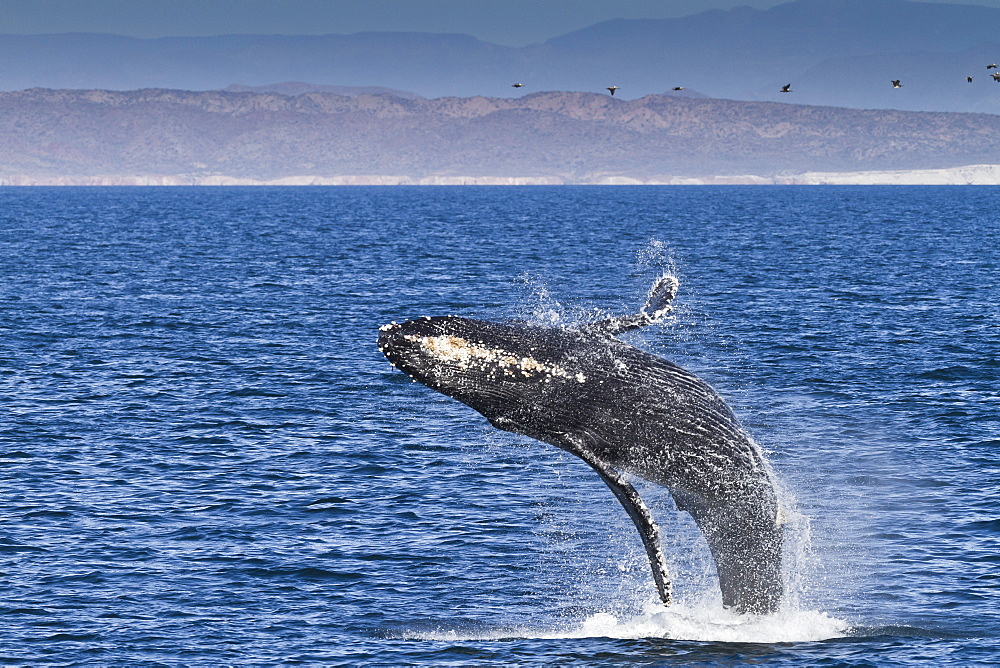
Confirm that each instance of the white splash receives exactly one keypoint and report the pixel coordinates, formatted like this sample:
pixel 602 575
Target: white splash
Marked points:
pixel 714 625
pixel 678 622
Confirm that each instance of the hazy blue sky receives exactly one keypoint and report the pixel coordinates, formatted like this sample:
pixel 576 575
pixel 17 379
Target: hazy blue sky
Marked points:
pixel 511 22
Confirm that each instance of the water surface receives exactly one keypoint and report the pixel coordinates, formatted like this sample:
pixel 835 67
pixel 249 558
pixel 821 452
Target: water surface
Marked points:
pixel 206 460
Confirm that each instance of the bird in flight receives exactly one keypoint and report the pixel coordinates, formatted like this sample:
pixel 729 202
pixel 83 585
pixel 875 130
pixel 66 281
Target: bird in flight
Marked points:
pixel 787 88
pixel 678 87
pixel 996 76
pixel 969 79
pixel 896 84
pixel 991 66
pixel 612 89
pixel 517 85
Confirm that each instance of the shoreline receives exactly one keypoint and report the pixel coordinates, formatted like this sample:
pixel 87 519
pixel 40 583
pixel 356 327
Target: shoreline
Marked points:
pixel 965 175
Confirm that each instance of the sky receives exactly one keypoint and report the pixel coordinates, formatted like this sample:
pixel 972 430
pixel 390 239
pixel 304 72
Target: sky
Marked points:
pixel 507 22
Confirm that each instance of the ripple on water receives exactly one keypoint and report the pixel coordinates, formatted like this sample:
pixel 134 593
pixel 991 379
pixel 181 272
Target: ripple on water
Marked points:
pixel 206 461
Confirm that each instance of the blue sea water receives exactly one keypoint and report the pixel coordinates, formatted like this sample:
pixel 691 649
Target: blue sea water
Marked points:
pixel 206 461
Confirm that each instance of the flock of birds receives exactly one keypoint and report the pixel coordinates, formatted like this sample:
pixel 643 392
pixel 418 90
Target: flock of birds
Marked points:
pixel 787 88
pixel 612 89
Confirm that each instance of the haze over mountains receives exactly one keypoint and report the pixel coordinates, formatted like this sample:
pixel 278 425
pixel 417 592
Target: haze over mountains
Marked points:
pixel 439 108
pixel 182 137
pixel 834 52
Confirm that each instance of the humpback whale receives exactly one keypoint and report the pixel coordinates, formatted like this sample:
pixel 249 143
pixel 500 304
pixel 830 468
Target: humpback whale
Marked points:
pixel 623 411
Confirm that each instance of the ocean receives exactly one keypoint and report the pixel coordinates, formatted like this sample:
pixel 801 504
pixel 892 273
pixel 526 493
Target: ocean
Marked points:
pixel 207 461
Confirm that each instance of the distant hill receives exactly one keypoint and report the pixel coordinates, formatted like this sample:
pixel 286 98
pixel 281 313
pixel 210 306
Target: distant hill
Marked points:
pixel 834 52
pixel 293 88
pixel 559 137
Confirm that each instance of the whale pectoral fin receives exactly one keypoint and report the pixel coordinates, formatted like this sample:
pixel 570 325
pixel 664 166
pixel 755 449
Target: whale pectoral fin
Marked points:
pixel 613 326
pixel 658 305
pixel 636 509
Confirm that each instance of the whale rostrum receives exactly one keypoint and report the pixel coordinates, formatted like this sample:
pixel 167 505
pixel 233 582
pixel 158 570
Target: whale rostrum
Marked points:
pixel 623 411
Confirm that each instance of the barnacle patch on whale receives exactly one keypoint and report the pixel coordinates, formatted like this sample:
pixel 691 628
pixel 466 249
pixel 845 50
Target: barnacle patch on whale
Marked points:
pixel 468 354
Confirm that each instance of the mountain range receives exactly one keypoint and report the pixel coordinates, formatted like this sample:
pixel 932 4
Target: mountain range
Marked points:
pixel 171 136
pixel 833 52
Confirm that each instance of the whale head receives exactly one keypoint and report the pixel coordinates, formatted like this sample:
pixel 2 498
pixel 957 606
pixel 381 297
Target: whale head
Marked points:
pixel 499 369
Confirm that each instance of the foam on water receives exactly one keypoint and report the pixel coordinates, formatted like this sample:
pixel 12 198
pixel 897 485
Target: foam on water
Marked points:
pixel 714 624
pixel 678 622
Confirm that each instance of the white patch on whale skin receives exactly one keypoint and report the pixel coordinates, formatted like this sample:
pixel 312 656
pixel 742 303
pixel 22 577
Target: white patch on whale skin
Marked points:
pixel 466 354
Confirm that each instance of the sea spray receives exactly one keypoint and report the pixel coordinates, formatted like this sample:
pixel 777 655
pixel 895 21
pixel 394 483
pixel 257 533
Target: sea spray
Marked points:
pixel 679 622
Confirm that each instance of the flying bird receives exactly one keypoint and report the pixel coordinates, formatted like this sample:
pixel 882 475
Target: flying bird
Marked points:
pixel 991 66
pixel 969 79
pixel 678 87
pixel 787 88
pixel 517 85
pixel 996 76
pixel 612 89
pixel 896 84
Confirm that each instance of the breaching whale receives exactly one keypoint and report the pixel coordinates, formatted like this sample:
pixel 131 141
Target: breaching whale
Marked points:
pixel 621 410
